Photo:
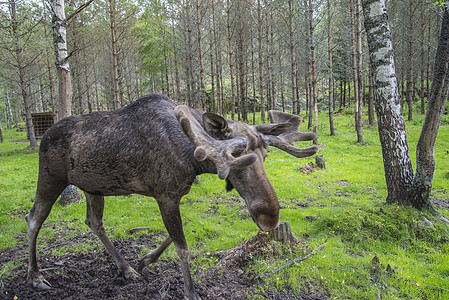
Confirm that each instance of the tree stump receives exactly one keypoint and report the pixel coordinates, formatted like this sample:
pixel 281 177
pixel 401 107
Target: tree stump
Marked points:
pixel 282 233
pixel 320 163
pixel 70 195
pixel 257 245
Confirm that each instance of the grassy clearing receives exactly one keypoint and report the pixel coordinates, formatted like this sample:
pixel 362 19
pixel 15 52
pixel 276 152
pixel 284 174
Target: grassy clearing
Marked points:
pixel 371 248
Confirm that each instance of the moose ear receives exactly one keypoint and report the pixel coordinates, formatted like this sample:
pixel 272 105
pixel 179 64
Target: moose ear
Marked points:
pixel 273 129
pixel 216 126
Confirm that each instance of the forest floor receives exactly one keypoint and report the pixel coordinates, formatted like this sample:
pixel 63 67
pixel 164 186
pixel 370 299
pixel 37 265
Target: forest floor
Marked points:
pixel 93 275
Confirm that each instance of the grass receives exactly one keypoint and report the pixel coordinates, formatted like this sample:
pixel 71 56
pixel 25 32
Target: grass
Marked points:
pixel 342 206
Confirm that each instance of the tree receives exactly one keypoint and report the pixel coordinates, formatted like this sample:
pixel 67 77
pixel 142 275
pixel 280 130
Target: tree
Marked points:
pixel 115 60
pixel 59 22
pixel 259 42
pixel 201 98
pixel 230 52
pixel 313 74
pixel 403 187
pixel 331 75
pixel 410 56
pixel 22 73
pixel 356 65
pixel 391 125
pixel 425 159
pixel 294 83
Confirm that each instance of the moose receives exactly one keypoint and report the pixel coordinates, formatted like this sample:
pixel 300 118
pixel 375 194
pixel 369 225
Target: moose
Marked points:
pixel 156 148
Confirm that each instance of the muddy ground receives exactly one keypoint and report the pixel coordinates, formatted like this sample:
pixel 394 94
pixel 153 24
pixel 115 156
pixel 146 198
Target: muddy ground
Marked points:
pixel 93 275
pixel 81 274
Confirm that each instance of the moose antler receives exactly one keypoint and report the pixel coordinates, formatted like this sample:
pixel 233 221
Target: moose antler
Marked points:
pixel 286 141
pixel 219 151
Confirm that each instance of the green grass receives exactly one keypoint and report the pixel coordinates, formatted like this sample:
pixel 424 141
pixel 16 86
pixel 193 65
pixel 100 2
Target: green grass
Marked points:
pixel 342 206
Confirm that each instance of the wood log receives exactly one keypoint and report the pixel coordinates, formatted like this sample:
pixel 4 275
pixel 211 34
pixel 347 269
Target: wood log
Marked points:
pixel 320 162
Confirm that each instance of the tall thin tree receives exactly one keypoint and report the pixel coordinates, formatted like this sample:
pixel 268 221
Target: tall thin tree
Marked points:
pixel 22 74
pixel 331 76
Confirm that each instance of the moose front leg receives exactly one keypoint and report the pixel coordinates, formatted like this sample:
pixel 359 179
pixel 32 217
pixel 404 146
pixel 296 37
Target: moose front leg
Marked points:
pixel 94 219
pixel 173 223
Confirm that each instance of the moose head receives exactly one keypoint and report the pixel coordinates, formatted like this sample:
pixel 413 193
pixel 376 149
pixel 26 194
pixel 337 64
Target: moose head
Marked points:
pixel 238 151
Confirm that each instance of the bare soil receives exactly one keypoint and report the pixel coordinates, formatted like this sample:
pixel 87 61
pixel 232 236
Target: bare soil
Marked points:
pixel 93 275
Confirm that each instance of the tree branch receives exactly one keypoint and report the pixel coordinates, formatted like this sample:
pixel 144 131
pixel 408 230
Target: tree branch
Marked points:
pixel 291 262
pixel 77 11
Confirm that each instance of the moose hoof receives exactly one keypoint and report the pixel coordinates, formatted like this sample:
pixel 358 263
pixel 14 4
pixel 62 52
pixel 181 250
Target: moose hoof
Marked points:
pixel 131 274
pixel 38 281
pixel 192 297
pixel 145 261
pixel 141 266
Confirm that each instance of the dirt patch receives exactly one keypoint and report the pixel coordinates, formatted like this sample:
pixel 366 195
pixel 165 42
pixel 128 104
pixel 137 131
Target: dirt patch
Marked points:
pixel 93 274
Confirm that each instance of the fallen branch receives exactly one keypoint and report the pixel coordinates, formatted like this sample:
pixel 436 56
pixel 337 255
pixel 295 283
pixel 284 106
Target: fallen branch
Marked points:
pixel 436 287
pixel 291 262
pixel 137 229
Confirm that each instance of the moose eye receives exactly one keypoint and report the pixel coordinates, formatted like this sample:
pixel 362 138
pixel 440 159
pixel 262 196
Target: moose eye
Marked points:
pixel 237 151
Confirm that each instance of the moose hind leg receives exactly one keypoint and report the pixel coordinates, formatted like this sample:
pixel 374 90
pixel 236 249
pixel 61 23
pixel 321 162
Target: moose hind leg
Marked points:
pixel 46 196
pixel 94 219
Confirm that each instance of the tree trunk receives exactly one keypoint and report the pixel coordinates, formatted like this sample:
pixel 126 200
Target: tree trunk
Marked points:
pixel 177 96
pixel 202 95
pixel 425 160
pixel 189 70
pixel 8 112
pixel 212 75
pixel 86 78
pixel 217 47
pixel 313 72
pixel 355 68
pixel 293 58
pixel 409 90
pixel 359 69
pixel 22 75
pixel 1 131
pixel 253 79
pixel 241 60
pixel 65 86
pixel 370 99
pixel 259 40
pixel 422 94
pixel 281 75
pixel 53 104
pixel 391 125
pixel 231 63
pixel 331 76
pixel 270 36
pixel 114 53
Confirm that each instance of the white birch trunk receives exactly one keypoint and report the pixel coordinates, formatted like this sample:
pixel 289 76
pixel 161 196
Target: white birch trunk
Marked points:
pixel 62 65
pixel 59 24
pixel 391 125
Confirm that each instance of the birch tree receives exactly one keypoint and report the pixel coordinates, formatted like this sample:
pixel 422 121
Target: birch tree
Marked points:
pixel 59 24
pixel 403 186
pixel 391 125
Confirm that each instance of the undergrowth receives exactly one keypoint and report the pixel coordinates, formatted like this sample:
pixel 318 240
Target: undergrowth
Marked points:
pixel 372 249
